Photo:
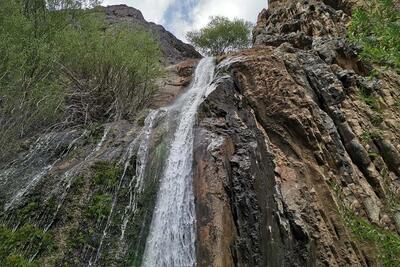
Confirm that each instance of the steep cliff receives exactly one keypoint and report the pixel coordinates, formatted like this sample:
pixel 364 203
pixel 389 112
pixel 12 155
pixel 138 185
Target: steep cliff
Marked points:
pixel 297 152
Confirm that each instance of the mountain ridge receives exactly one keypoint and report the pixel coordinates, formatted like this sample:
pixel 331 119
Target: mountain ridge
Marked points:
pixel 173 49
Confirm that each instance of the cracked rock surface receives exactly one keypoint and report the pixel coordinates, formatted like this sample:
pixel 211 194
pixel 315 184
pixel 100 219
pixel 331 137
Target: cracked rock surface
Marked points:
pixel 287 141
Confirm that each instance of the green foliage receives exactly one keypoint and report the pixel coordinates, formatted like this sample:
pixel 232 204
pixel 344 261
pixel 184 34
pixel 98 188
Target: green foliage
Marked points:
pixel 386 242
pixel 368 98
pixel 376 26
pixel 28 210
pixel 106 175
pixel 61 65
pixel 377 119
pixel 13 243
pixel 367 136
pixel 29 94
pixel 114 74
pixel 100 206
pixel 397 104
pixel 221 35
pixel 15 260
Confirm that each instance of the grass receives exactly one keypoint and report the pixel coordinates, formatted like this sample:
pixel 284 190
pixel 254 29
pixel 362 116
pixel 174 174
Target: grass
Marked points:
pixel 373 102
pixel 14 244
pixel 368 136
pixel 105 175
pixel 386 243
pixel 369 99
pixel 375 26
pixel 100 206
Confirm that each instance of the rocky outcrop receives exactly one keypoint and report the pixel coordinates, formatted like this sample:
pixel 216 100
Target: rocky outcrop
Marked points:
pixel 296 142
pixel 178 77
pixel 173 49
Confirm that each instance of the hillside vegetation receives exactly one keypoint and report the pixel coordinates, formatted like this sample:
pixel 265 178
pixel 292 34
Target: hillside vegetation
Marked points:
pixel 62 65
pixel 376 27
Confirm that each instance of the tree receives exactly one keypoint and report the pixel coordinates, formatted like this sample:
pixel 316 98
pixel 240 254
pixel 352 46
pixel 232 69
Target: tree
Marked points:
pixel 221 36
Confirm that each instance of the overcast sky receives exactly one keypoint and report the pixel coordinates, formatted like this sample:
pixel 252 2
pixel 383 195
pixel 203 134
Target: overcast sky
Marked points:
pixel 180 16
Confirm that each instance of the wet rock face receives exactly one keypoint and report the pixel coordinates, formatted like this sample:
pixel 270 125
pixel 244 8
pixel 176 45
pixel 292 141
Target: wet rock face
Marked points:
pixel 298 134
pixel 177 78
pixel 173 49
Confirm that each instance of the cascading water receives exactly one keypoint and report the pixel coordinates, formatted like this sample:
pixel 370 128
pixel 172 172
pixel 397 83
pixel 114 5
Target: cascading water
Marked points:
pixel 171 240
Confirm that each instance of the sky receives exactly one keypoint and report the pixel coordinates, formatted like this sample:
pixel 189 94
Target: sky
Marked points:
pixel 181 16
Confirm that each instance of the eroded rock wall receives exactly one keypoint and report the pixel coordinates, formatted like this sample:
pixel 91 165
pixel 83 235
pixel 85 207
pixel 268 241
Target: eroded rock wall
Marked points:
pixel 295 136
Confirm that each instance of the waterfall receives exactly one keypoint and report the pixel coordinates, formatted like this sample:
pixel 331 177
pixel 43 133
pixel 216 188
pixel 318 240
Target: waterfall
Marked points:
pixel 171 240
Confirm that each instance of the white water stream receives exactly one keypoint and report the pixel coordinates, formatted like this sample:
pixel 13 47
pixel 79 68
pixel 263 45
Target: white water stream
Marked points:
pixel 171 241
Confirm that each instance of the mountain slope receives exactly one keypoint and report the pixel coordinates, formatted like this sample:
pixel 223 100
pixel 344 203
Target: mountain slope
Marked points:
pixel 174 50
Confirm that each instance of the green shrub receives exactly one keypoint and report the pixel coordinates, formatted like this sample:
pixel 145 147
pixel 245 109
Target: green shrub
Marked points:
pixel 29 94
pixel 397 104
pixel 64 66
pixel 370 100
pixel 15 260
pixel 387 243
pixel 113 76
pixel 376 26
pixel 100 206
pixel 106 175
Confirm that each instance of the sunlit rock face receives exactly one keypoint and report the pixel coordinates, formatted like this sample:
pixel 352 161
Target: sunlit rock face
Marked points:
pixel 286 144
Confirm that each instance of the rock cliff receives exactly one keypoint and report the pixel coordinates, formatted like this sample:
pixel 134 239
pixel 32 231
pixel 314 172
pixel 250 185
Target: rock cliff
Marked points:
pixel 297 146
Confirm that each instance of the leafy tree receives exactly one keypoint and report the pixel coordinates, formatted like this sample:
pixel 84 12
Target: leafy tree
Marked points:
pixel 221 35
pixel 376 26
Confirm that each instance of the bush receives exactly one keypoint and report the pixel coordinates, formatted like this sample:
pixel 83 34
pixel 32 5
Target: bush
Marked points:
pixel 113 76
pixel 376 27
pixel 64 66
pixel 100 206
pixel 221 35
pixel 30 95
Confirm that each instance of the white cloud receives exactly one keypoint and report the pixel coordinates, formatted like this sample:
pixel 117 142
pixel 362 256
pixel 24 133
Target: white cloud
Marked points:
pixel 155 10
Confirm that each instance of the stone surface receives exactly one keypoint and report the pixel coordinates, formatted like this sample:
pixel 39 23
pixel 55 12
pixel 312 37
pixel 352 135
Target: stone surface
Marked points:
pixel 287 142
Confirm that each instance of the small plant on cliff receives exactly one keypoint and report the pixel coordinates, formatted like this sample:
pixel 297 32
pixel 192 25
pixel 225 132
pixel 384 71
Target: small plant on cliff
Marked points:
pixel 376 27
pixel 386 242
pixel 221 35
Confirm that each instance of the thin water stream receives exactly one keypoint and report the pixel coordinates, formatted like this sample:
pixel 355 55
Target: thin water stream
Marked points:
pixel 172 236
